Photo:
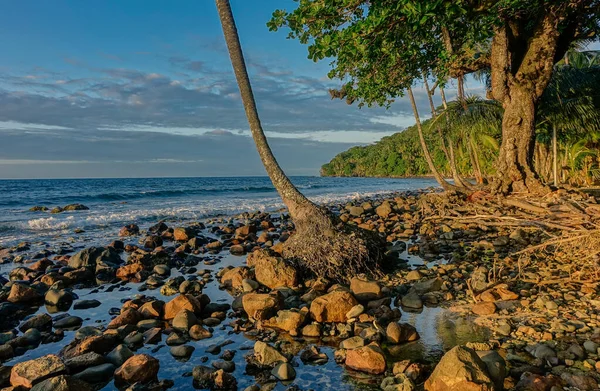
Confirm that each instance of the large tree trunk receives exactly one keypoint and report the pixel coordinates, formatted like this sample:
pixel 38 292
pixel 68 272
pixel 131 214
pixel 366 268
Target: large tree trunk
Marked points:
pixel 438 177
pixel 521 71
pixel 322 244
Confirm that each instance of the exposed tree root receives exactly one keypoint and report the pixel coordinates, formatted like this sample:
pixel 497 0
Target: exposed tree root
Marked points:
pixel 324 246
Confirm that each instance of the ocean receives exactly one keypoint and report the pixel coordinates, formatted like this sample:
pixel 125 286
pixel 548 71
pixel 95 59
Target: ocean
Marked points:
pixel 114 203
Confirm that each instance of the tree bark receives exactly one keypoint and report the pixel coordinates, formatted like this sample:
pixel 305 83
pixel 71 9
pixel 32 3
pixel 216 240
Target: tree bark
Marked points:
pixel 519 77
pixel 321 244
pixel 445 185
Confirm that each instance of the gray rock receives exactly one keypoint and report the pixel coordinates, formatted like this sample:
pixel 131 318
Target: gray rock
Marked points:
pixel 68 322
pixel 97 374
pixel 284 371
pixel 119 355
pixel 182 351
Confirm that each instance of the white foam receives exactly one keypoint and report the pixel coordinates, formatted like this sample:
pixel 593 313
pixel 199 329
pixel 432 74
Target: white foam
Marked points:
pixel 50 223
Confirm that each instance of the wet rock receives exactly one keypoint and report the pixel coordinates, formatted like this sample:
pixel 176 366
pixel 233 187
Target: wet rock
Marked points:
pixel 184 320
pixel 182 351
pixel 153 241
pixel 365 290
pixel 29 373
pixel 197 332
pixel 21 293
pixel 400 382
pixel 267 355
pixel 411 300
pixel 181 302
pixel 6 352
pixel 183 234
pixel 40 322
pixel 401 332
pixel 129 316
pixel 368 359
pixel 62 383
pixel 262 306
pixel 233 278
pixel 272 272
pixel 140 368
pixel 496 366
pixel 352 343
pixel 96 374
pixel 287 320
pixel 85 360
pixel 129 230
pixel 86 304
pixel 97 258
pixel 460 369
pixel 431 285
pixel 227 366
pixel 119 355
pixel 129 271
pixel 152 309
pixel 284 371
pixel 332 307
pixel 58 298
pixel 68 322
pixel 74 207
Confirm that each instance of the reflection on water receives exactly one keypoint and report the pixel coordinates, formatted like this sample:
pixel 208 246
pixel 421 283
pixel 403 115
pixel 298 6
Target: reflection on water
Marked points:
pixel 439 329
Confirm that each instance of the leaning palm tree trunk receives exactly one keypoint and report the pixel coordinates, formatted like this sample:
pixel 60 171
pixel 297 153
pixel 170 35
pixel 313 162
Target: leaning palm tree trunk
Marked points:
pixel 438 177
pixel 322 244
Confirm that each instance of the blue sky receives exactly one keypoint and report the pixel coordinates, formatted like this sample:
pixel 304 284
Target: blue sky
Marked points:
pixel 144 88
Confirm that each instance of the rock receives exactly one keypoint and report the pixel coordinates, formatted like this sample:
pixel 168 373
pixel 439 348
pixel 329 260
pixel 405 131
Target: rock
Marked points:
pixel 431 285
pixel 96 374
pixel 29 373
pixel 249 285
pixel 460 369
pixel 62 383
pixel 479 279
pixel 129 230
pixel 496 366
pixel 369 359
pixel 355 211
pixel 484 308
pixel 365 290
pixel 400 382
pixel 414 275
pixel 97 258
pixel 233 278
pixel 332 307
pixel 284 371
pixel 21 293
pixel 224 381
pixel 352 343
pixel 411 300
pixel 182 351
pixel 152 309
pixel 384 210
pixel 179 303
pixel 262 306
pixel 58 298
pixel 182 234
pixel 40 322
pixel 579 381
pixel 68 322
pixel 312 330
pixel 153 241
pixel 355 311
pixel 184 320
pixel 197 332
pixel 128 316
pixel 86 304
pixel 140 368
pixel 85 360
pixel 590 347
pixel 129 271
pixel 119 355
pixel 267 355
pixel 287 320
pixel 401 332
pixel 272 272
pixel 73 207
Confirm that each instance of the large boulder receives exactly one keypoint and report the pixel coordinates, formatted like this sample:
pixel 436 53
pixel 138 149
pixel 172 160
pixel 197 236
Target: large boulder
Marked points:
pixel 29 373
pixel 460 369
pixel 140 368
pixel 272 272
pixel 262 306
pixel 368 359
pixel 97 258
pixel 332 307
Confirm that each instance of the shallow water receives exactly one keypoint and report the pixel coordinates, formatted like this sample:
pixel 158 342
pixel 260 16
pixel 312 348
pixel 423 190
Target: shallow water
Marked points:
pixel 439 329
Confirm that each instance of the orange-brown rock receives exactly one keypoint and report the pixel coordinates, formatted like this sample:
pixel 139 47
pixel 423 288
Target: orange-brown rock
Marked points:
pixel 181 302
pixel 287 320
pixel 140 368
pixel 28 373
pixel 128 271
pixel 460 369
pixel 332 307
pixel 272 272
pixel 262 306
pixel 484 308
pixel 233 278
pixel 129 316
pixel 368 359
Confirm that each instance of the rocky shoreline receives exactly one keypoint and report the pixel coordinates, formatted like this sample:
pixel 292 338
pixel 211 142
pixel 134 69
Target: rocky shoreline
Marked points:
pixel 220 286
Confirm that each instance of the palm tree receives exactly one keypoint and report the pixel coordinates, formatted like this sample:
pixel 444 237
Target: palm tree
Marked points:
pixel 322 244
